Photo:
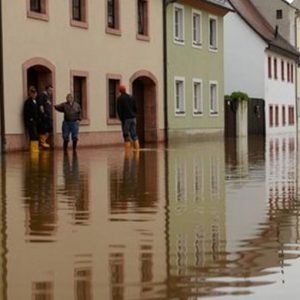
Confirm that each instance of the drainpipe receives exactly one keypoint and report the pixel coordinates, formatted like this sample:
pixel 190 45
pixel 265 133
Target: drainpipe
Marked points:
pixel 165 68
pixel 2 115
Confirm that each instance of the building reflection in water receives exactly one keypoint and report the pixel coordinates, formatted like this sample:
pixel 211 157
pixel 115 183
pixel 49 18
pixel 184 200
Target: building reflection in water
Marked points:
pixel 40 198
pixel 162 224
pixel 137 201
pixel 75 188
pixel 196 219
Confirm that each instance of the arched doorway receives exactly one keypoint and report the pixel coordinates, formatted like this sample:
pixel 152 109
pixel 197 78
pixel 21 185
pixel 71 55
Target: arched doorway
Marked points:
pixel 38 72
pixel 144 90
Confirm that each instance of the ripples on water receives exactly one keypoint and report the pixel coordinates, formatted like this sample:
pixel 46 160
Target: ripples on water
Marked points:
pixel 202 219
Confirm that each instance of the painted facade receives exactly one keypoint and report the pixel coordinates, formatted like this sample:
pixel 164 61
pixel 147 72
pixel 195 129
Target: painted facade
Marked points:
pixel 61 45
pixel 195 76
pixel 268 73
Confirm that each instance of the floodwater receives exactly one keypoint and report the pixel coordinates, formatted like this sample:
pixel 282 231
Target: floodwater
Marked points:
pixel 208 219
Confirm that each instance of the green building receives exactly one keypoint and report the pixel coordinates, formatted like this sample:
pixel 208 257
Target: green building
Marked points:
pixel 194 67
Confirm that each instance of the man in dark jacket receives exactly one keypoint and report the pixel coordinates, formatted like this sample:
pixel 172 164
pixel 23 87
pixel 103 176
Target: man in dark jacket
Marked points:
pixel 126 108
pixel 31 119
pixel 72 116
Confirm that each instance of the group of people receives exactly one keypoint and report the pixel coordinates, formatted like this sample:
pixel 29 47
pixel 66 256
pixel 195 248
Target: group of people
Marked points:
pixel 38 118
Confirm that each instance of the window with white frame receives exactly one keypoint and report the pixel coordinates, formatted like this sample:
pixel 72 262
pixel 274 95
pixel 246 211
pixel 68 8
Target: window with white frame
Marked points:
pixel 213 33
pixel 179 96
pixel 213 98
pixel 197 97
pixel 179 23
pixel 197 29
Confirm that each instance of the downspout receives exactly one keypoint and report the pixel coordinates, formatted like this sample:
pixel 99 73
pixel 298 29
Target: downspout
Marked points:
pixel 165 3
pixel 2 115
pixel 165 68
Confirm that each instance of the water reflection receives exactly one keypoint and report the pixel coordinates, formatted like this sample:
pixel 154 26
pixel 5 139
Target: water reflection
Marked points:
pixel 209 218
pixel 39 198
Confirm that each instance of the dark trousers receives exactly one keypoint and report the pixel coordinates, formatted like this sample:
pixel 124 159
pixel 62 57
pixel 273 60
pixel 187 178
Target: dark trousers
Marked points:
pixel 32 131
pixel 70 128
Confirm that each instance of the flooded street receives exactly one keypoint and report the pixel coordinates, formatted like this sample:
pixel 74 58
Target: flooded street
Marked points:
pixel 193 220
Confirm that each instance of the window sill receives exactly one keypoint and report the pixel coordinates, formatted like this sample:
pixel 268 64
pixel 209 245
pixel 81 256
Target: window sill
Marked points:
pixel 113 31
pixel 214 114
pixel 178 42
pixel 197 45
pixel 80 24
pixel 38 16
pixel 113 122
pixel 180 114
pixel 197 114
pixel 143 37
pixel 213 49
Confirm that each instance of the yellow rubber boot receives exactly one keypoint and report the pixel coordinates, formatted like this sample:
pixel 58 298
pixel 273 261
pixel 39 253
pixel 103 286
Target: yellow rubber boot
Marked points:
pixel 127 148
pixel 43 139
pixel 136 145
pixel 34 146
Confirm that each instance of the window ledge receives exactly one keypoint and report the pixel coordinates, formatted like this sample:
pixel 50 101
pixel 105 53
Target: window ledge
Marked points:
pixel 113 122
pixel 80 24
pixel 38 16
pixel 180 114
pixel 85 122
pixel 143 37
pixel 113 31
pixel 197 114
pixel 214 114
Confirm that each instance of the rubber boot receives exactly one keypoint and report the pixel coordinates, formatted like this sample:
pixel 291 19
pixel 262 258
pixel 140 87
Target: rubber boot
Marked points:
pixel 127 148
pixel 136 145
pixel 74 145
pixel 34 146
pixel 66 145
pixel 43 139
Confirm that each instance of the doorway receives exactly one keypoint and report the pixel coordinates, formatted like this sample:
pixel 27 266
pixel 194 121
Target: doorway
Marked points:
pixel 144 92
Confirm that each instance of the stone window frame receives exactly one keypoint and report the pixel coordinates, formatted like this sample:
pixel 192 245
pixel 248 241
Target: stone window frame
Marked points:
pixel 43 15
pixel 86 103
pixel 79 23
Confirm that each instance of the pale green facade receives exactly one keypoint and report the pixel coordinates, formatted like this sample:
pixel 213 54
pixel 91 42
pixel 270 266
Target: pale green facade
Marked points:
pixel 201 63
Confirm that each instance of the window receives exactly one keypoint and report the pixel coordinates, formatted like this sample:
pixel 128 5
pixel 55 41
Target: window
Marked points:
pixel 292 73
pixel 213 98
pixel 79 81
pixel 43 290
pixel 213 33
pixel 38 9
pixel 282 70
pixel 271 116
pixel 288 72
pixel 79 13
pixel 269 67
pixel 291 115
pixel 197 97
pixel 275 68
pixel 279 14
pixel 112 18
pixel 283 116
pixel 83 283
pixel 276 116
pixel 178 24
pixel 142 21
pixel 179 96
pixel 196 30
pixel 113 83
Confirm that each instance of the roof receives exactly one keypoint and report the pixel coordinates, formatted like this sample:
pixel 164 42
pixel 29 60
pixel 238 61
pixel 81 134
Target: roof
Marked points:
pixel 249 13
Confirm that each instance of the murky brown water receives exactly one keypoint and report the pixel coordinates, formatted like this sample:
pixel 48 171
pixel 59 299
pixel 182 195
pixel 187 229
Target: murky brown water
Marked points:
pixel 209 219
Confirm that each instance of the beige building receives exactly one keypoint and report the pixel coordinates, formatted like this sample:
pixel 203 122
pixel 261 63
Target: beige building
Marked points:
pixel 88 48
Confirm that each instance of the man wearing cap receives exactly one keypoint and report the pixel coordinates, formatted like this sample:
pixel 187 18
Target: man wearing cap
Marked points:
pixel 126 108
pixel 31 119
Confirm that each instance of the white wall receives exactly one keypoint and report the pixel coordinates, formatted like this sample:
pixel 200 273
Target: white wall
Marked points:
pixel 279 92
pixel 243 58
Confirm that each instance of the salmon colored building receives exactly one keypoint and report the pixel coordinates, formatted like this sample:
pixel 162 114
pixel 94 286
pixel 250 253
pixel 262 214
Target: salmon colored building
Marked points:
pixel 87 48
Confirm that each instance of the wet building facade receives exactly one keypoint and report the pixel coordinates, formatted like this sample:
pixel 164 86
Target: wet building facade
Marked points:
pixel 86 53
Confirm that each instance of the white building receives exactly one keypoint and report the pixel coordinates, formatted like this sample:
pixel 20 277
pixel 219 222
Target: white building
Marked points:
pixel 260 62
